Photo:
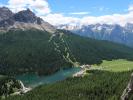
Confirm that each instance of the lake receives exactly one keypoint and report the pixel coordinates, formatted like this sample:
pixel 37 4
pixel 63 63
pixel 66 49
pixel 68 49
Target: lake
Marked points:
pixel 33 80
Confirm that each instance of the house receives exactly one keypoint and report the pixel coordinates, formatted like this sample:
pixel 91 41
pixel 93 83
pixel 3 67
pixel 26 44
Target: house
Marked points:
pixel 85 66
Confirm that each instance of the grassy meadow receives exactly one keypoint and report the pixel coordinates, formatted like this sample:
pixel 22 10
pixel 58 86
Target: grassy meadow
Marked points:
pixel 115 65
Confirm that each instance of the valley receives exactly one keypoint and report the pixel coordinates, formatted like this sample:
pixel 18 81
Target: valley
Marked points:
pixel 110 83
pixel 23 57
pixel 30 51
pixel 39 61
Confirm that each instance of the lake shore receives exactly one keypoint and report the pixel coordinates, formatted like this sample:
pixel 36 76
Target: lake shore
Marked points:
pixel 82 72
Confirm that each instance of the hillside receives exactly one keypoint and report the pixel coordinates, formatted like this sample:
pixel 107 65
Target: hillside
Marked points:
pixel 110 32
pixel 66 50
pixel 9 86
pixel 104 84
pixel 44 53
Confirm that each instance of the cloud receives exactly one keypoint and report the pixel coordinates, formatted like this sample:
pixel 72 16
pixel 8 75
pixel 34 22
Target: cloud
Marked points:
pixel 120 19
pixel 130 7
pixel 79 13
pixel 57 19
pixel 41 7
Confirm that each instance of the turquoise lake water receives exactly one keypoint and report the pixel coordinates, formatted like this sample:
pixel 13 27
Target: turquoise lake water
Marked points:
pixel 33 80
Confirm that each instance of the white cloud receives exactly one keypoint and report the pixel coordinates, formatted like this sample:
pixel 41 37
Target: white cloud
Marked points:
pixel 130 7
pixel 121 19
pixel 57 19
pixel 41 7
pixel 79 13
pixel 108 19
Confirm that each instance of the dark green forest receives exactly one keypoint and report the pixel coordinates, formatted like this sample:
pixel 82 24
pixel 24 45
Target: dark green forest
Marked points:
pixel 43 53
pixel 98 85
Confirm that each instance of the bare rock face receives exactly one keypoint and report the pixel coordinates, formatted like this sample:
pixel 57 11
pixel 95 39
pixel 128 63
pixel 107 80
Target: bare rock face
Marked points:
pixel 5 13
pixel 9 86
pixel 24 20
pixel 27 16
pixel 129 90
pixel 111 32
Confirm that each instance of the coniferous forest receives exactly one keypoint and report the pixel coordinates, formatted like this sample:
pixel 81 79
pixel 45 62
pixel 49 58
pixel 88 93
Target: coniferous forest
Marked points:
pixel 66 50
pixel 43 53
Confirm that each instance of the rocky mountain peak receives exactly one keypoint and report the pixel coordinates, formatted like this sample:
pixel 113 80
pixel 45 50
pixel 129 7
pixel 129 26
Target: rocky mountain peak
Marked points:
pixel 23 20
pixel 5 13
pixel 27 16
pixel 4 8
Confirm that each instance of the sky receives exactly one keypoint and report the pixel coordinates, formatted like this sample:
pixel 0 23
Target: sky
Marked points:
pixel 77 12
pixel 93 7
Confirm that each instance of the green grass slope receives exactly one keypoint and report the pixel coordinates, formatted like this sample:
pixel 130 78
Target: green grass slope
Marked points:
pixel 115 65
pixel 44 53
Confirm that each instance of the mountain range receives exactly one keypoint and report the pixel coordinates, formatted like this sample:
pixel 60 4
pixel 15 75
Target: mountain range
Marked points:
pixel 114 33
pixel 29 44
pixel 26 20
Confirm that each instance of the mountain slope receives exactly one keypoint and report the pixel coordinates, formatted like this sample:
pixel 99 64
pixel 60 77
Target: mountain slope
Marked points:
pixel 115 33
pixel 98 85
pixel 104 82
pixel 5 13
pixel 29 44
pixel 44 53
pixel 23 20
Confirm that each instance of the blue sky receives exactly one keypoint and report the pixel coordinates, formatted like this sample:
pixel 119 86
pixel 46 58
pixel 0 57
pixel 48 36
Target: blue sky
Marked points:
pixel 77 11
pixel 3 1
pixel 93 7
